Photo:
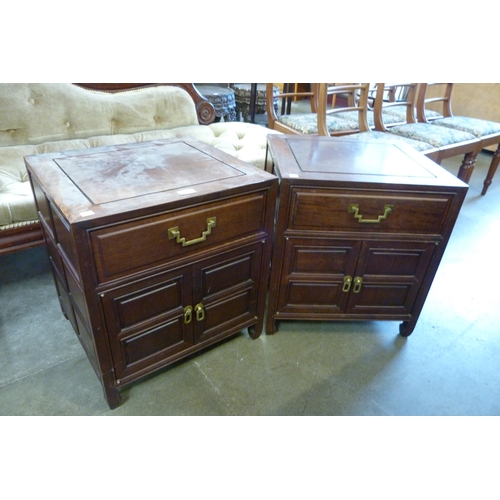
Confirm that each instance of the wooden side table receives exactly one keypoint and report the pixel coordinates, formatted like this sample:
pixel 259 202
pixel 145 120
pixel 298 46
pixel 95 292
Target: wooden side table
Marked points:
pixel 158 249
pixel 360 231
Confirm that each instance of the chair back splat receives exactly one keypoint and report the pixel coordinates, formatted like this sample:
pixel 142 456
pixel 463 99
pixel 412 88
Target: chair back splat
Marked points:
pixel 354 111
pixel 279 108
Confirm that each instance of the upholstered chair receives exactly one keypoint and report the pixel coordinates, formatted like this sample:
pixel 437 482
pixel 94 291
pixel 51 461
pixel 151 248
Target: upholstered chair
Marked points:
pixel 449 142
pixel 487 131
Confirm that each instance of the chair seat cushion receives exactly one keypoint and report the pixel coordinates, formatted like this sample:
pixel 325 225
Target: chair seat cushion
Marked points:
pixel 432 134
pixel 353 116
pixel 307 123
pixel 400 111
pixel 475 126
pixel 392 139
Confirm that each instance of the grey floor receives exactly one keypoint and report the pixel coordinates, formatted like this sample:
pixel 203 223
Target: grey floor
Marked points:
pixel 448 366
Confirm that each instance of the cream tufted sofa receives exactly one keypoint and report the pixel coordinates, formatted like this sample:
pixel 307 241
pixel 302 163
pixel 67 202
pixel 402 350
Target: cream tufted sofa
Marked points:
pixel 40 118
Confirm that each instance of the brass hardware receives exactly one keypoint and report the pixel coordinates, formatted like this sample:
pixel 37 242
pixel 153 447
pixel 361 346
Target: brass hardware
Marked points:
pixel 200 312
pixel 174 232
pixel 357 284
pixel 188 314
pixel 354 209
pixel 347 284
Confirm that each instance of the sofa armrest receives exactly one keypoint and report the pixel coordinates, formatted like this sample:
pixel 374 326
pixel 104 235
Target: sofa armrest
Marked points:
pixel 204 109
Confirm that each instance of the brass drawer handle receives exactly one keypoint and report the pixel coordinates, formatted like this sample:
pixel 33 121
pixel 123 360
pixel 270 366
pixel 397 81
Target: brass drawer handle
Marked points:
pixel 354 209
pixel 174 232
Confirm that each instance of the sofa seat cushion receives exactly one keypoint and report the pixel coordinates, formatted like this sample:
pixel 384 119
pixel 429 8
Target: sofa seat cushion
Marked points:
pixel 245 141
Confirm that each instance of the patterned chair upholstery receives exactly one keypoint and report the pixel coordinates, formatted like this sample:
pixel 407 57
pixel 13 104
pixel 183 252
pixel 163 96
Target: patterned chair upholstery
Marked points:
pixel 360 117
pixel 338 118
pixel 488 132
pixel 448 141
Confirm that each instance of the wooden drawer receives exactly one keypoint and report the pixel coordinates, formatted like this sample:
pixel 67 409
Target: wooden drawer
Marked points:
pixel 135 246
pixel 373 211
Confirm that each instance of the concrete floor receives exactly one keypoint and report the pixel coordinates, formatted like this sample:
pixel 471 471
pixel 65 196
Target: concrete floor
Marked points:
pixel 448 366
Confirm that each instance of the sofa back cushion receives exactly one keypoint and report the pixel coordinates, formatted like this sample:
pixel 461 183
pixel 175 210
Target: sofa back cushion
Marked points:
pixel 33 113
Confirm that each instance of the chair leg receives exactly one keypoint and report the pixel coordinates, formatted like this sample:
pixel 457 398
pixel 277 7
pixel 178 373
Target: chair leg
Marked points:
pixel 491 172
pixel 467 167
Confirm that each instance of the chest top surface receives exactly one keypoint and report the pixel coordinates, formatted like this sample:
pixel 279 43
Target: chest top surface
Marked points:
pixel 108 180
pixel 349 160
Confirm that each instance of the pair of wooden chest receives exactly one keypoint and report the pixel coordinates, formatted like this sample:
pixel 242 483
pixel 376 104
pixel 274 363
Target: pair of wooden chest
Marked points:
pixel 160 249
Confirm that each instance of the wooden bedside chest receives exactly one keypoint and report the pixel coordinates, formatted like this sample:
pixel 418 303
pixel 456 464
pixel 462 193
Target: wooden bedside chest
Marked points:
pixel 361 229
pixel 158 249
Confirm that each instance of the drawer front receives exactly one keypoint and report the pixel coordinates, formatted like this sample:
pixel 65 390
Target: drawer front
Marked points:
pixel 381 211
pixel 133 247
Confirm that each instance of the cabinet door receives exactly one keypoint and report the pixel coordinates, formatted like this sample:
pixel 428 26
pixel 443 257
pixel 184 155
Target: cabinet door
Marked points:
pixel 365 278
pixel 149 320
pixel 388 277
pixel 316 274
pixel 226 292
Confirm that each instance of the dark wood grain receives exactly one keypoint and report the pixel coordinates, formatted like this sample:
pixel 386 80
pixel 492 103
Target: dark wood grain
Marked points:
pixel 330 265
pixel 138 298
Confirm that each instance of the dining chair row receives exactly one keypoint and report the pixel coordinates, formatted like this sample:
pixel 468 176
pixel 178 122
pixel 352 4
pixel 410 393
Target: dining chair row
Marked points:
pixel 390 112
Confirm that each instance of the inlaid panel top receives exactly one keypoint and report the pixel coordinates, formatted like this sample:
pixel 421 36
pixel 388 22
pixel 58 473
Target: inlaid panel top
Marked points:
pixel 354 160
pixel 98 182
pixel 105 176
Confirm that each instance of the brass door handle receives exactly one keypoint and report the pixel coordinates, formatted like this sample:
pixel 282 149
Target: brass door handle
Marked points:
pixel 200 312
pixel 188 314
pixel 347 284
pixel 174 232
pixel 357 284
pixel 354 209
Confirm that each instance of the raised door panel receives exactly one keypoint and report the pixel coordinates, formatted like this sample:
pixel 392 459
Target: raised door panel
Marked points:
pixel 388 277
pixel 149 321
pixel 226 292
pixel 315 275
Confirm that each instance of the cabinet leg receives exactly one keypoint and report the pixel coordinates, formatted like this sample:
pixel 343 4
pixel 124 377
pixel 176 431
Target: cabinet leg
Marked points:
pixel 113 397
pixel 406 328
pixel 254 331
pixel 270 326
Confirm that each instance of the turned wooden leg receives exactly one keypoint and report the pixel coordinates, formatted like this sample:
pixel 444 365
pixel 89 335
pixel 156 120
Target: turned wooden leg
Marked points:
pixel 467 167
pixel 491 172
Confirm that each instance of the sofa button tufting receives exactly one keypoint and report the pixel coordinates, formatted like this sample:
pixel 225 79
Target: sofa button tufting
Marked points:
pixel 67 124
pixel 31 100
